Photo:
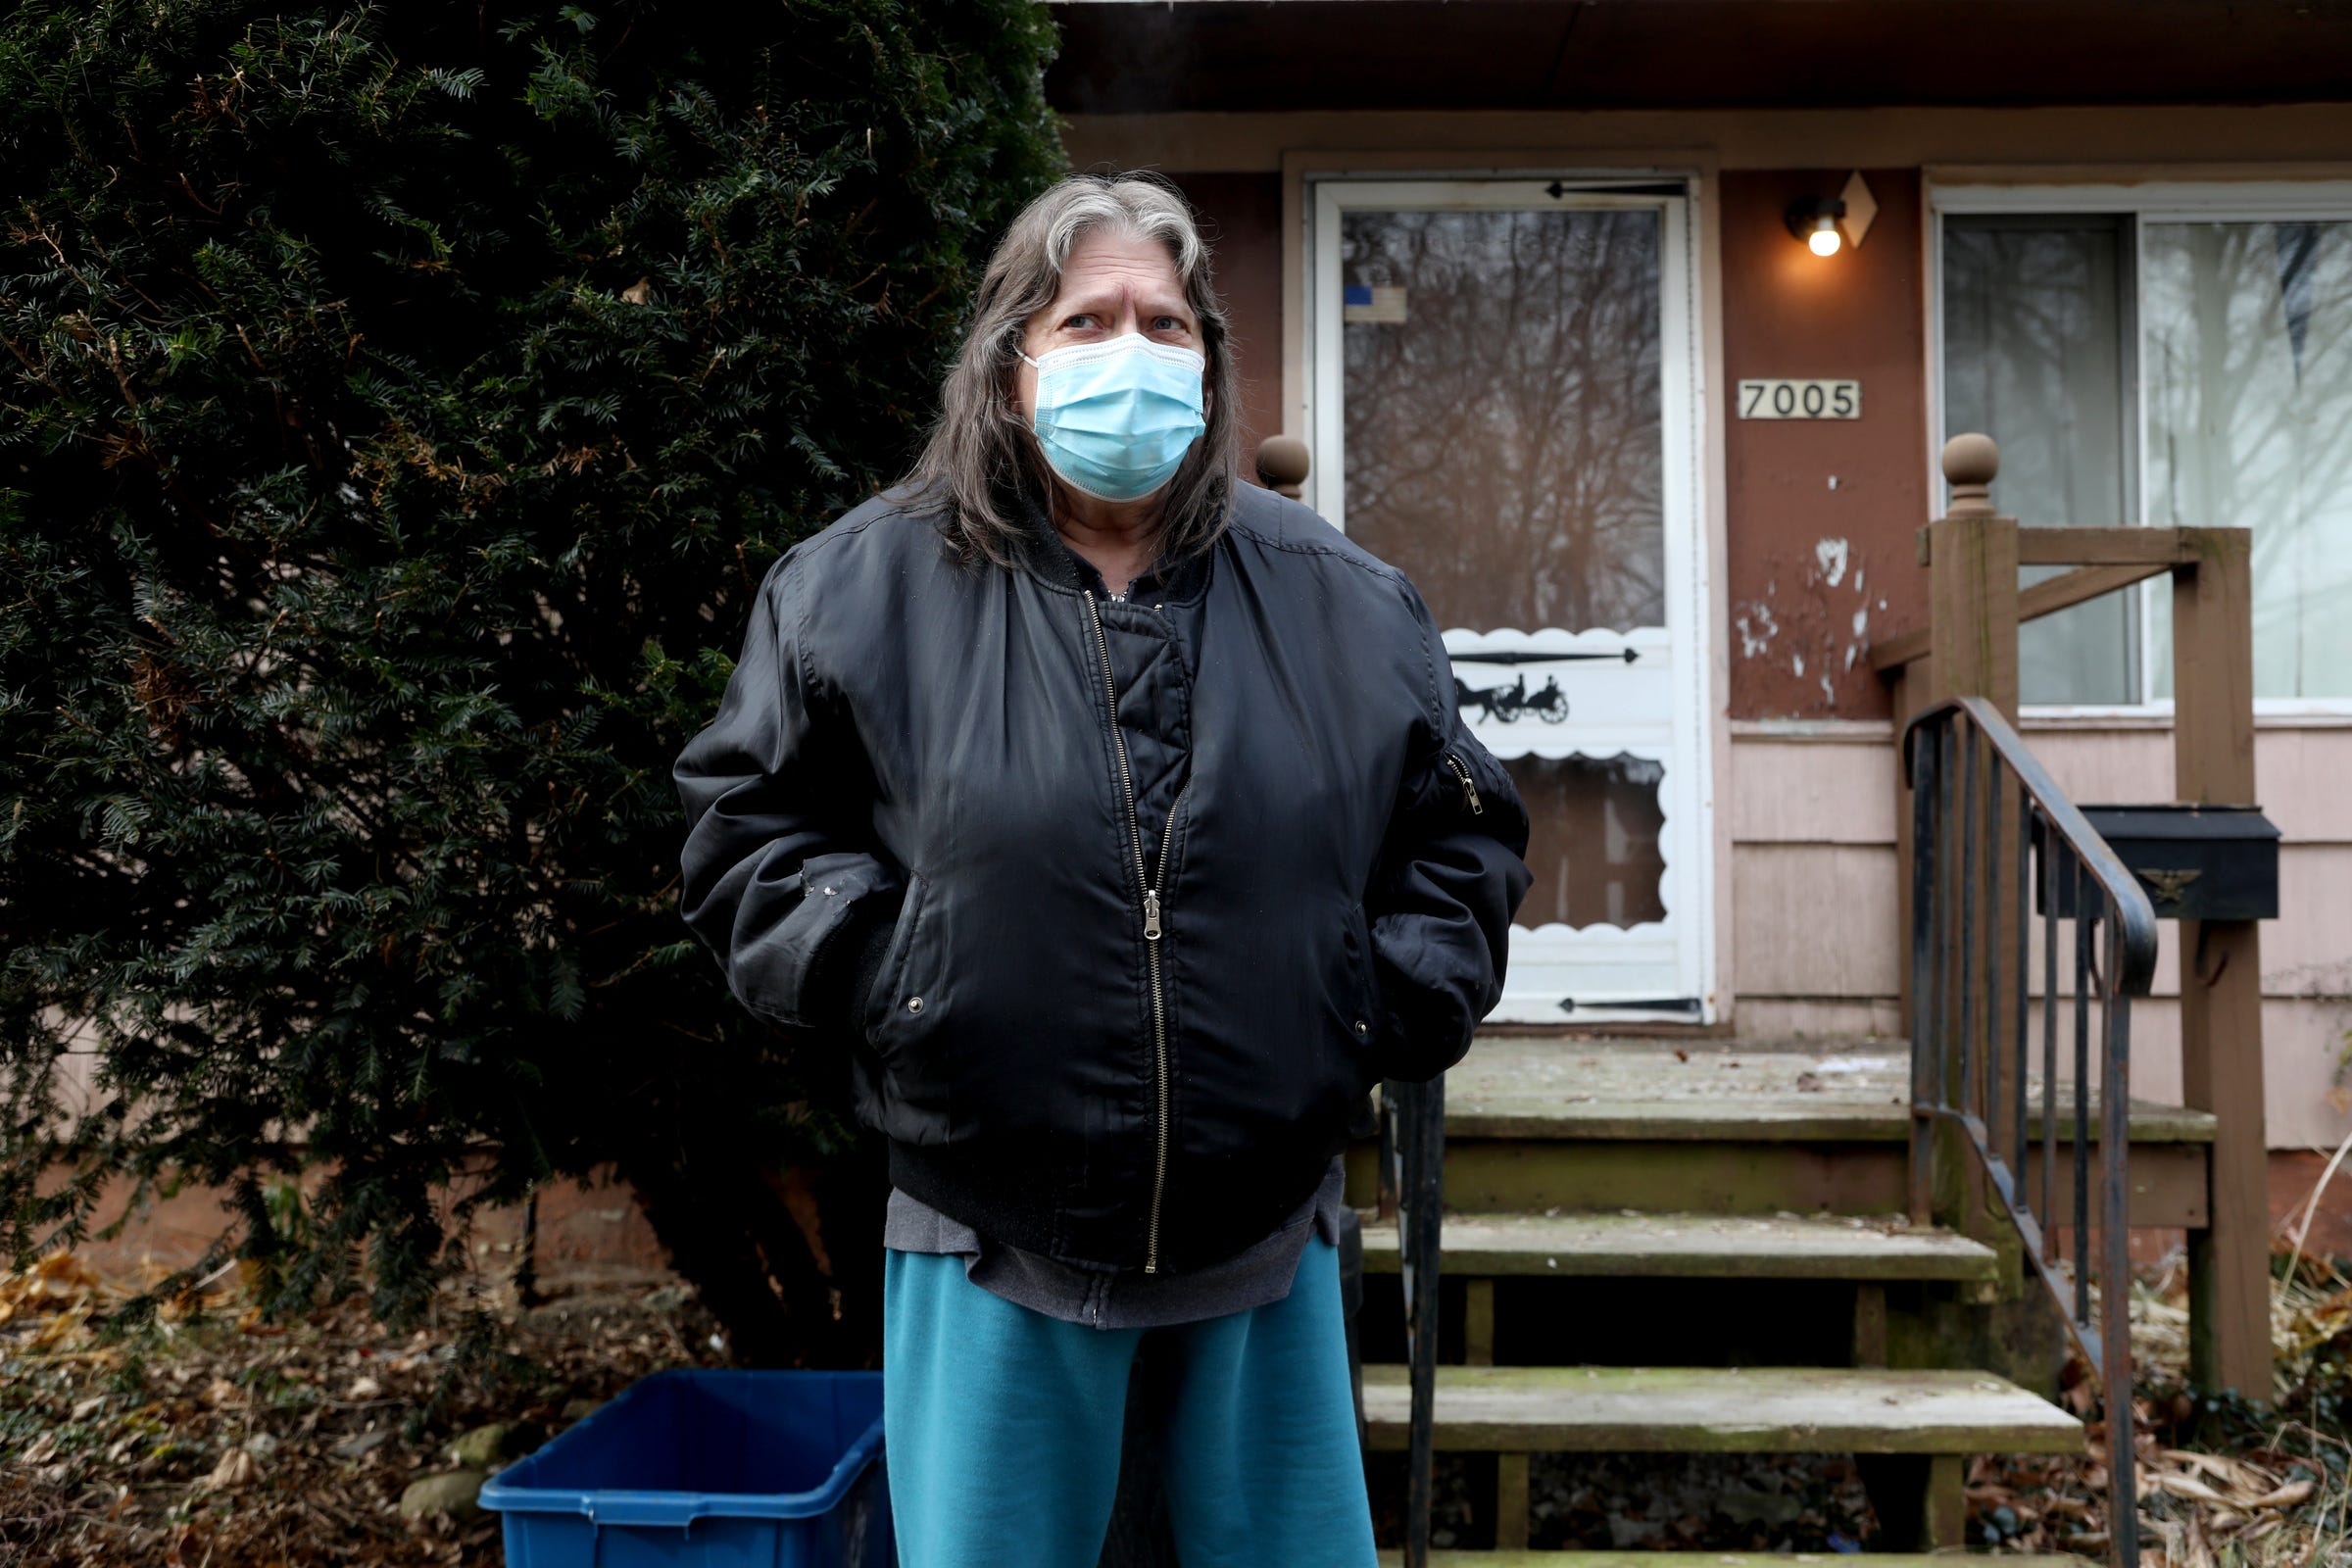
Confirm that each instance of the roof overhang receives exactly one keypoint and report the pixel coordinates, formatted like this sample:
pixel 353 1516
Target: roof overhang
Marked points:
pixel 1159 56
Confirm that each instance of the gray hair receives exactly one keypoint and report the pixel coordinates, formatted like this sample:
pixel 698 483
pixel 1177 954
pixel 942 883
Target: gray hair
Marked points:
pixel 980 446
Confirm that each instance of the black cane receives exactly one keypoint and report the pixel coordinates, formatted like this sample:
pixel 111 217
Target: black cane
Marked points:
pixel 1416 1132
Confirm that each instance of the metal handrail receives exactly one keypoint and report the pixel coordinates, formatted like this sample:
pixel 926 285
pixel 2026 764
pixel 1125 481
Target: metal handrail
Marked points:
pixel 1955 961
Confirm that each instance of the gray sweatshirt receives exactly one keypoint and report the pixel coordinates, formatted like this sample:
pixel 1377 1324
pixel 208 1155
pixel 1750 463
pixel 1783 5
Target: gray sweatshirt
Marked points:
pixel 1253 1277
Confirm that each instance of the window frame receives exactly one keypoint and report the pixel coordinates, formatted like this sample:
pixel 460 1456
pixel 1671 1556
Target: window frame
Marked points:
pixel 2220 199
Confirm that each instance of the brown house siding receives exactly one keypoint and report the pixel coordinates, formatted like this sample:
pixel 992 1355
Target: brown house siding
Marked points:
pixel 1242 215
pixel 1816 568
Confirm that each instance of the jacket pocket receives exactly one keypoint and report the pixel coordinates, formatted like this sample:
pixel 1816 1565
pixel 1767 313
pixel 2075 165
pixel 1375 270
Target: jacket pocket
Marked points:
pixel 889 1003
pixel 831 893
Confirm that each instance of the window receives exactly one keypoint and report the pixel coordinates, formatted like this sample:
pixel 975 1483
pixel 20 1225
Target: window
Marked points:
pixel 2249 420
pixel 2157 364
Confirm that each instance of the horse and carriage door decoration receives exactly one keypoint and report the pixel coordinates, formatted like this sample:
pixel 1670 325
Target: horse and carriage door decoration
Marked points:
pixel 1505 407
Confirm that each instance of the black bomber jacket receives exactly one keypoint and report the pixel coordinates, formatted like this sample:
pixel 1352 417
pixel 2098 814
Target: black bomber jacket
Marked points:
pixel 1124 923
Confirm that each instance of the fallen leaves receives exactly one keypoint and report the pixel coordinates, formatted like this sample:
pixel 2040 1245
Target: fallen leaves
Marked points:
pixel 56 1278
pixel 2236 1485
pixel 2288 1496
pixel 237 1468
pixel 209 1438
pixel 359 1445
pixel 62 1296
pixel 2190 1504
pixel 2259 1487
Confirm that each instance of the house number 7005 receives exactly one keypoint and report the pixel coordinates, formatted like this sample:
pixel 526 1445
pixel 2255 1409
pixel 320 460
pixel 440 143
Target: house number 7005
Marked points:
pixel 1780 399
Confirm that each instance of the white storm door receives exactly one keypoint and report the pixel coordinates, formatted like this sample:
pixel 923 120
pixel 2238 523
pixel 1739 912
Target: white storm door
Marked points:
pixel 1506 405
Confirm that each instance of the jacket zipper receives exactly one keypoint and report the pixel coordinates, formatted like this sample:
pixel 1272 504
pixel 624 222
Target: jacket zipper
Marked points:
pixel 1153 912
pixel 1469 789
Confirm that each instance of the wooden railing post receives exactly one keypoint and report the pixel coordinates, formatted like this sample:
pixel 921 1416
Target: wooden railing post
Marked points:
pixel 1282 465
pixel 1970 464
pixel 1971 556
pixel 2221 974
pixel 1972 584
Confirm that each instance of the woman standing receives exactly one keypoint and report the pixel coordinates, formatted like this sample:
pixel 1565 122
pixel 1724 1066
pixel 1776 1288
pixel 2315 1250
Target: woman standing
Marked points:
pixel 1120 812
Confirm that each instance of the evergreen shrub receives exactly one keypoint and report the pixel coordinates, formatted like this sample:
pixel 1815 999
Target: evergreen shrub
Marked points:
pixel 400 407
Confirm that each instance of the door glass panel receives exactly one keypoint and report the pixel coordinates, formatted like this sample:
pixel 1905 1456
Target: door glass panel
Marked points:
pixel 2035 355
pixel 1593 841
pixel 1505 441
pixel 2249 330
pixel 1502 416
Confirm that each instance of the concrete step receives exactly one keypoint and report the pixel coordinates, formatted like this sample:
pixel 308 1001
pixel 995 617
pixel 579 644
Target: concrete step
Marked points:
pixel 1873 1247
pixel 1523 1409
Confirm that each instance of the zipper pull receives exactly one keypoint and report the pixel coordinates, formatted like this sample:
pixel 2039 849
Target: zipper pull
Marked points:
pixel 1469 789
pixel 1151 916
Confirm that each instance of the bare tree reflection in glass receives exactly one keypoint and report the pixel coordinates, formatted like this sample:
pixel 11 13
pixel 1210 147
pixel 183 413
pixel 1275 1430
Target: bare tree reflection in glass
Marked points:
pixel 2249 394
pixel 2037 345
pixel 1504 439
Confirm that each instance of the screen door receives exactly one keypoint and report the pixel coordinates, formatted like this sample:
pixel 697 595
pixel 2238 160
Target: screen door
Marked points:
pixel 1505 406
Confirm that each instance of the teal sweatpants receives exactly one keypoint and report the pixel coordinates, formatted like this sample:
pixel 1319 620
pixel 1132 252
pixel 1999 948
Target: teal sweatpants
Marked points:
pixel 1001 1426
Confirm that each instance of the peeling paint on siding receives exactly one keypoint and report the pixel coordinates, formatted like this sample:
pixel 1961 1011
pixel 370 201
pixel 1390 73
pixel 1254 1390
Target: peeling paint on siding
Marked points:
pixel 1820 632
pixel 1757 628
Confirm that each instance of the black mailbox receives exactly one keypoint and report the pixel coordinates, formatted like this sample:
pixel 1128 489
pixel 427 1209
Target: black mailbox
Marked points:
pixel 2194 862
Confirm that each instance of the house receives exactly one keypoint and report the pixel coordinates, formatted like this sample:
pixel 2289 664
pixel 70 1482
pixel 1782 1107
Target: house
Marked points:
pixel 1633 331
pixel 1527 280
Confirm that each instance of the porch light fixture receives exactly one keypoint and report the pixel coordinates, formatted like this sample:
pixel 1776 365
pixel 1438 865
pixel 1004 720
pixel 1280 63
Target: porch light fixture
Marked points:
pixel 1828 223
pixel 1814 219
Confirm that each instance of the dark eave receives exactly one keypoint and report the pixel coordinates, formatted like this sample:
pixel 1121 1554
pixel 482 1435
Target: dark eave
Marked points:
pixel 1150 56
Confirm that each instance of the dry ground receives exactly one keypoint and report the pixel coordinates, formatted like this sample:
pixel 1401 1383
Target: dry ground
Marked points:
pixel 209 1438
pixel 213 1440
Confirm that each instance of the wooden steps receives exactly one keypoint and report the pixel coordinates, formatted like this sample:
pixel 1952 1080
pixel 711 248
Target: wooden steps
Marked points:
pixel 1776 1121
pixel 1525 1410
pixel 1712 1127
pixel 1627 1245
pixel 1532 1088
pixel 1621 1161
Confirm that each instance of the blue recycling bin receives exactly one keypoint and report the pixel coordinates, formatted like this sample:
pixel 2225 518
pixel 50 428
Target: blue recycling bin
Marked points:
pixel 709 1469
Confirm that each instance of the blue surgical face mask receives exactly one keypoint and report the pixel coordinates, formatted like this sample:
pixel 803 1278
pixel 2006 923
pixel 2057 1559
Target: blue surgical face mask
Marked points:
pixel 1116 417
